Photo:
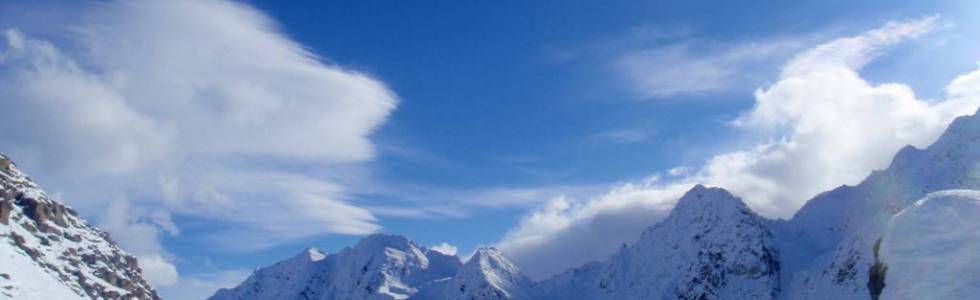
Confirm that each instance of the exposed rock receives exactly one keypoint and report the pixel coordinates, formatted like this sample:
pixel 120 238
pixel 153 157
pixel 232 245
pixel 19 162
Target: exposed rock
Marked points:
pixel 30 228
pixel 5 164
pixel 6 206
pixel 876 276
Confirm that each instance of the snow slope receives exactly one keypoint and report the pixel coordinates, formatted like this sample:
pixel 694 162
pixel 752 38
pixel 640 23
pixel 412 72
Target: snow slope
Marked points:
pixel 48 252
pixel 932 250
pixel 24 279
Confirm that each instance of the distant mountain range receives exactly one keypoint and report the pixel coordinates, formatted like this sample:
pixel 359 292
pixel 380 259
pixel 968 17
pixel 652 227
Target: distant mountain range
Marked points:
pixel 911 231
pixel 874 240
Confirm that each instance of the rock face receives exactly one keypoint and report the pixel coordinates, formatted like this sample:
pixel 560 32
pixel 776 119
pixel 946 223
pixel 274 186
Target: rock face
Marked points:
pixel 48 251
pixel 379 267
pixel 711 246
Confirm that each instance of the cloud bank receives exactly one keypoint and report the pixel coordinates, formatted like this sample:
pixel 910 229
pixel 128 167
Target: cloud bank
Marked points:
pixel 822 125
pixel 164 107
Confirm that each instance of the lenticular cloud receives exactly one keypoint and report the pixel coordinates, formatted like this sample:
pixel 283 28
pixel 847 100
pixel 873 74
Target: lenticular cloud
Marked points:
pixel 195 98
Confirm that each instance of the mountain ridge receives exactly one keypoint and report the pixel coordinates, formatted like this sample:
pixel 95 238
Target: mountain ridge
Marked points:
pixel 713 246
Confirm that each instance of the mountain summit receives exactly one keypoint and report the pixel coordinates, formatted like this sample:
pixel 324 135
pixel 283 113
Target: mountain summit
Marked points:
pixel 49 252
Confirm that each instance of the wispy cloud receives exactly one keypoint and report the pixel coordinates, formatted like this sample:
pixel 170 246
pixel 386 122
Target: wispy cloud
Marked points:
pixel 624 136
pixel 431 202
pixel 420 211
pixel 693 67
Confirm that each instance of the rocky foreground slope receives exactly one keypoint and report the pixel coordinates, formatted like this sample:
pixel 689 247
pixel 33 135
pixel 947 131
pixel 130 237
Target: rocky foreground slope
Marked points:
pixel 48 252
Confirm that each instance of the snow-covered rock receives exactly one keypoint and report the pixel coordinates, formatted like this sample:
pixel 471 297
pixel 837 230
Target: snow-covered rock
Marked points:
pixel 486 275
pixel 711 246
pixel 931 250
pixel 48 252
pixel 380 266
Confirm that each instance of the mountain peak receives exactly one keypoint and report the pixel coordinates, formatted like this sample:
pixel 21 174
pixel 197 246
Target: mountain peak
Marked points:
pixel 385 240
pixel 488 274
pixel 491 259
pixel 701 200
pixel 312 254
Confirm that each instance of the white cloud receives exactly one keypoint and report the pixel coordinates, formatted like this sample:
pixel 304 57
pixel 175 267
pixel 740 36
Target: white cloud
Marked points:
pixel 445 248
pixel 202 286
pixel 158 271
pixel 129 226
pixel 828 125
pixel 210 68
pixel 824 126
pixel 566 233
pixel 185 107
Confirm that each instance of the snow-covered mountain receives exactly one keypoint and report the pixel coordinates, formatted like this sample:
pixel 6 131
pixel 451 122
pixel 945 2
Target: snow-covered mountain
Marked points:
pixel 874 240
pixel 48 252
pixel 380 266
pixel 384 266
pixel 486 275
pixel 711 246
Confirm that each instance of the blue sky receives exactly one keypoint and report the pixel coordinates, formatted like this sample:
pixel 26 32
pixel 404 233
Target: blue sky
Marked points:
pixel 470 119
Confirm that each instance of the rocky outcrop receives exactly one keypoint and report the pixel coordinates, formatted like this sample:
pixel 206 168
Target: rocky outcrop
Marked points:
pixel 51 236
pixel 6 206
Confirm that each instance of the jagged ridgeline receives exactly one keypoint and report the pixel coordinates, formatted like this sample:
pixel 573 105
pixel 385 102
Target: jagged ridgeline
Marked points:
pixel 911 231
pixel 383 266
pixel 48 252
